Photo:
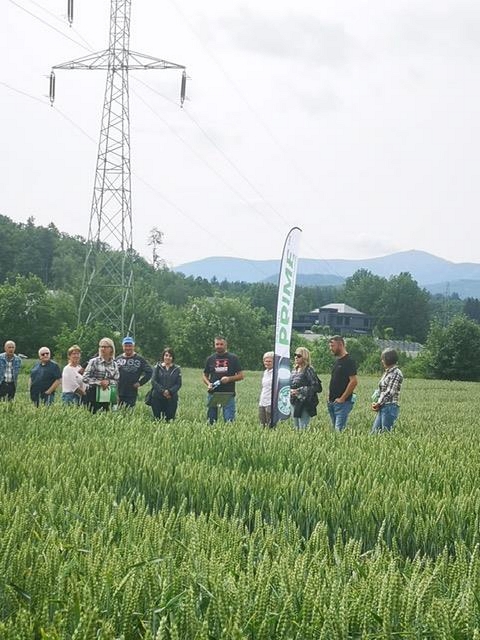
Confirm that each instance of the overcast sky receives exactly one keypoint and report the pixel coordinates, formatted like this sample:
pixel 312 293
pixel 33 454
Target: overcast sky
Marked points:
pixel 356 121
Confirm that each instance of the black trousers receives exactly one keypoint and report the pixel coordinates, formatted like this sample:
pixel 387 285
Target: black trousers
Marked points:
pixel 7 390
pixel 91 401
pixel 164 408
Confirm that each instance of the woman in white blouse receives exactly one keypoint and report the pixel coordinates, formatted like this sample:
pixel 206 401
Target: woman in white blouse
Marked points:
pixel 73 387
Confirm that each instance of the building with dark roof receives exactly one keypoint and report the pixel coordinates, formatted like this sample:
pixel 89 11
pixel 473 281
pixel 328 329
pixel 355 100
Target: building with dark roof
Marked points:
pixel 339 317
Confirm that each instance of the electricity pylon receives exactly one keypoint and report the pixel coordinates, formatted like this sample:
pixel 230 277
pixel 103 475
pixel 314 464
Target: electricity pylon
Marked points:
pixel 107 294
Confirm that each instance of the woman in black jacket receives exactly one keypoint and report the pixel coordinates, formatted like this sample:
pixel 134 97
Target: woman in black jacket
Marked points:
pixel 166 381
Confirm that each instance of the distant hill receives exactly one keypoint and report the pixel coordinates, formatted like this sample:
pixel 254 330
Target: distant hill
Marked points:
pixel 464 288
pixel 435 274
pixel 313 280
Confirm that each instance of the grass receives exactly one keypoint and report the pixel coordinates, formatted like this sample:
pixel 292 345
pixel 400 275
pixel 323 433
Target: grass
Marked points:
pixel 114 526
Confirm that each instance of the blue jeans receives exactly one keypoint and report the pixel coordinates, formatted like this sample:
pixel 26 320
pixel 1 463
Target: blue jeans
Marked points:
pixel 302 421
pixel 228 412
pixel 339 413
pixel 68 397
pixel 385 418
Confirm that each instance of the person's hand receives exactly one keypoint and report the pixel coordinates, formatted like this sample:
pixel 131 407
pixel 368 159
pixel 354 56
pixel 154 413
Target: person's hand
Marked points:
pixel 375 406
pixel 104 384
pixel 339 401
pixel 136 385
pixel 167 394
pixel 225 380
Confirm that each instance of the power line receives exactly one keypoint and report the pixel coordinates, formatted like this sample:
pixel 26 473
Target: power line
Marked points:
pixel 213 169
pixel 74 124
pixel 23 93
pixel 54 15
pixel 197 124
pixel 50 26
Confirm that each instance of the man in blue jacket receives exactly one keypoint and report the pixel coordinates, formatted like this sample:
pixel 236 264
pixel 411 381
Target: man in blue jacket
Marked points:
pixel 10 365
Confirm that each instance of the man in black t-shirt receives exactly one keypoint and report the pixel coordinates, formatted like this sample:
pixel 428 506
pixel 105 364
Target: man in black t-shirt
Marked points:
pixel 342 384
pixel 222 370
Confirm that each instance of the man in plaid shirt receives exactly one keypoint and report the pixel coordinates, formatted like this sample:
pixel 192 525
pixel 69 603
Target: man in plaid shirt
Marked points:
pixel 10 365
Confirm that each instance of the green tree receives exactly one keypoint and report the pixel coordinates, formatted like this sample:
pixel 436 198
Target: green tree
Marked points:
pixel 444 307
pixel 151 330
pixel 246 329
pixel 264 294
pixel 453 352
pixel 471 308
pixel 404 306
pixel 321 356
pixel 363 291
pixel 31 315
pixel 86 336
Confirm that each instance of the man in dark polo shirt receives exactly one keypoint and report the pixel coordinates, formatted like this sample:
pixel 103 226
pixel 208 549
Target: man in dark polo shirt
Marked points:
pixel 342 384
pixel 222 370
pixel 45 377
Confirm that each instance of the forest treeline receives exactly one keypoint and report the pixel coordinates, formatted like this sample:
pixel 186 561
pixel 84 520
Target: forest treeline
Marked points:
pixel 41 271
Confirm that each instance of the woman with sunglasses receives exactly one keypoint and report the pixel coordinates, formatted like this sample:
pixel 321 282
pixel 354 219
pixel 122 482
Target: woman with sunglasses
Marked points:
pixel 101 377
pixel 304 388
pixel 45 377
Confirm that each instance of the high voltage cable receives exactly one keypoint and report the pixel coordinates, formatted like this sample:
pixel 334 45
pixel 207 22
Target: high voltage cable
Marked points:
pixel 48 25
pixel 138 177
pixel 190 116
pixel 217 173
pixel 257 116
pixel 232 164
pixel 54 15
pixel 64 115
pixel 242 198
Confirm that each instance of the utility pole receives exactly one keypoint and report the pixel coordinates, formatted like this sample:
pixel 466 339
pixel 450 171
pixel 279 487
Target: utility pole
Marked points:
pixel 107 294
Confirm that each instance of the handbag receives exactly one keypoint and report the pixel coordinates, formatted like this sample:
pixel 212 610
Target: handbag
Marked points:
pixel 106 395
pixel 148 398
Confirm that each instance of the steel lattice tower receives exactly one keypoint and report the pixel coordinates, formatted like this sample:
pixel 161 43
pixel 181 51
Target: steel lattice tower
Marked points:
pixel 107 294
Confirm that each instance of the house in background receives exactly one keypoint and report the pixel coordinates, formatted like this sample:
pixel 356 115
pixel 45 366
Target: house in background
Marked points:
pixel 342 320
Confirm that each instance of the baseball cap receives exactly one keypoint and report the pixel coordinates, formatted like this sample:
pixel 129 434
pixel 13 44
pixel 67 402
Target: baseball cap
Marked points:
pixel 128 340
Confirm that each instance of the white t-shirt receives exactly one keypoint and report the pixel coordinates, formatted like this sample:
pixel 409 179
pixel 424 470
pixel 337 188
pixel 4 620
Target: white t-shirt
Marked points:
pixel 72 379
pixel 266 392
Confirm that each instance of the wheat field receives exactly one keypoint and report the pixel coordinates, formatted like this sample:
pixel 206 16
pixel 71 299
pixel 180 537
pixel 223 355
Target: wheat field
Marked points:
pixel 116 527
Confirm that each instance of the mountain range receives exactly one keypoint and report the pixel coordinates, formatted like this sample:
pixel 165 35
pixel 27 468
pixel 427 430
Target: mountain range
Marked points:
pixel 436 274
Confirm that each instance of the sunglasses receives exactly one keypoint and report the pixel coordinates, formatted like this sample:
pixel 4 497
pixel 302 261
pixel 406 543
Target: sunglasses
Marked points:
pixel 298 355
pixel 45 353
